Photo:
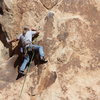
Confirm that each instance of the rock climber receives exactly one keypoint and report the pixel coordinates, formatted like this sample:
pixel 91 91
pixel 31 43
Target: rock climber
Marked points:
pixel 26 41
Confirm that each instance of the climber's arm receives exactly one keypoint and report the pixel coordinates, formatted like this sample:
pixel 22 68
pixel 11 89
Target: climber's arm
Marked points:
pixel 10 41
pixel 35 33
pixel 14 40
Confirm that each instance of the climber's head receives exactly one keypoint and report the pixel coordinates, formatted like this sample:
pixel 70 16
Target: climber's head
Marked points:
pixel 25 29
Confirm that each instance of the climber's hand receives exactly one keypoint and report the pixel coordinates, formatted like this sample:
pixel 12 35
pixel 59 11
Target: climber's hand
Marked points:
pixel 8 41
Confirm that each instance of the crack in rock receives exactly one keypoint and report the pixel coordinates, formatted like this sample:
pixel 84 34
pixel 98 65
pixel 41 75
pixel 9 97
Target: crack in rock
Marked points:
pixel 49 4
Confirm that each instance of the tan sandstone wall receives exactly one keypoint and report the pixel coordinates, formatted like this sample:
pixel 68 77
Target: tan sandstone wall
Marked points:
pixel 70 34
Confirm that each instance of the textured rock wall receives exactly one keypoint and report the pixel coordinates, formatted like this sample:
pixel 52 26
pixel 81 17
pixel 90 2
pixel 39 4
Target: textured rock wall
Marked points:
pixel 70 34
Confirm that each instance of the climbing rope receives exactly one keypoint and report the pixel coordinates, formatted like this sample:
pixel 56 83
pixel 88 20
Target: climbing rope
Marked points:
pixel 28 68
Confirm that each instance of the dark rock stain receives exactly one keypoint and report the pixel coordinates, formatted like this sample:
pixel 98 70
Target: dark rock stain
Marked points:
pixel 62 37
pixel 51 79
pixel 47 81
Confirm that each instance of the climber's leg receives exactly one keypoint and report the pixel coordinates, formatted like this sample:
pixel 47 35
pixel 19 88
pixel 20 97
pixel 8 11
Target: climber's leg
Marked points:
pixel 25 62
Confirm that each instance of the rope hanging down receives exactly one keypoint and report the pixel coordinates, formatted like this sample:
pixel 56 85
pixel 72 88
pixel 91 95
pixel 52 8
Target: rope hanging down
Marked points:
pixel 28 68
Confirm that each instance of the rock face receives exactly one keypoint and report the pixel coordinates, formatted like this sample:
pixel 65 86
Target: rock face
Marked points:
pixel 49 4
pixel 70 34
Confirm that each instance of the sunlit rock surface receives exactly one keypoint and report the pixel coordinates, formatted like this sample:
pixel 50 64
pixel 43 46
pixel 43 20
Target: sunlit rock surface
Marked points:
pixel 70 34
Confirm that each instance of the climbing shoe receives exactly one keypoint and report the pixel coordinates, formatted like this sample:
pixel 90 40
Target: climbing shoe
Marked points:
pixel 20 74
pixel 42 60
